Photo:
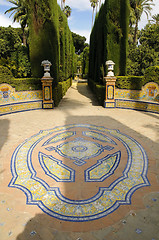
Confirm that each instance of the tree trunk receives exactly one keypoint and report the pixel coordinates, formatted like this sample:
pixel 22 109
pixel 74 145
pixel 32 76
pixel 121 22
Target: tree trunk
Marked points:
pixel 96 8
pixel 92 17
pixel 63 4
pixel 24 37
pixel 135 33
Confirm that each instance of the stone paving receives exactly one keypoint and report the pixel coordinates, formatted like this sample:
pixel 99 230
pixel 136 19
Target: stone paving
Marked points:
pixel 79 172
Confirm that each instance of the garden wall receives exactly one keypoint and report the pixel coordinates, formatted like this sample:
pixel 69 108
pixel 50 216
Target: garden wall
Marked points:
pixel 12 101
pixel 146 99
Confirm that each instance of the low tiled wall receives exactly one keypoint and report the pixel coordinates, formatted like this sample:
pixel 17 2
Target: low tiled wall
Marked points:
pixel 137 105
pixel 20 107
pixel 149 92
pixel 146 100
pixel 12 101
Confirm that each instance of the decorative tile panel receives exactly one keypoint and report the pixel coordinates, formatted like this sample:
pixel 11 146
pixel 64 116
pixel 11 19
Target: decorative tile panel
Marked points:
pixel 14 96
pixel 102 160
pixel 20 106
pixel 138 105
pixel 149 92
pixel 12 101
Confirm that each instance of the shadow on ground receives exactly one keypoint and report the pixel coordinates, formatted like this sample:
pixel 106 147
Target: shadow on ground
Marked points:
pixel 84 89
pixel 4 127
pixel 137 225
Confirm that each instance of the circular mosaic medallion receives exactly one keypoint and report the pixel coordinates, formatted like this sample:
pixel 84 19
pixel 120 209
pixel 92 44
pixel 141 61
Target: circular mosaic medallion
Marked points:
pixel 79 172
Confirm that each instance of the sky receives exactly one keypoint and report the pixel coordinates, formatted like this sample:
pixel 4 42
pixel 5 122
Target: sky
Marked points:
pixel 80 20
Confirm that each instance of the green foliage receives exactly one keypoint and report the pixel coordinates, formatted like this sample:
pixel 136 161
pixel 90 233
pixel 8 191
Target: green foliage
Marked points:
pixel 146 53
pixel 43 37
pixel 152 75
pixel 85 62
pixel 60 90
pixel 137 7
pixel 51 39
pixel 122 82
pixel 124 23
pixel 140 58
pixel 20 63
pixel 5 75
pixel 79 43
pixel 155 19
pixel 129 82
pixel 150 36
pixel 13 54
pixel 9 40
pixel 19 11
pixel 27 84
pixel 98 90
pixel 20 84
pixel 109 39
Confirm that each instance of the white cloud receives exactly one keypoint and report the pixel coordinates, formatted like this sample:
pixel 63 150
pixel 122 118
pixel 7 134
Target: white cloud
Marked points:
pixel 81 5
pixel 5 22
pixel 5 3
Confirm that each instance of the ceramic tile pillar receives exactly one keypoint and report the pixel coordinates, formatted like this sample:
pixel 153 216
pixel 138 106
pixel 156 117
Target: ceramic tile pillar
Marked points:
pixel 47 92
pixel 110 86
pixel 47 85
pixel 110 92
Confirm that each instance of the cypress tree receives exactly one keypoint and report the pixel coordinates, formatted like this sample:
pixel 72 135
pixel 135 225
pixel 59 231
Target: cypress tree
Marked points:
pixel 49 39
pixel 109 38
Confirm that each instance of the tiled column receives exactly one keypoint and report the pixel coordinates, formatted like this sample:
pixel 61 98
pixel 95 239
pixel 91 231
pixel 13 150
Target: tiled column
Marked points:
pixel 47 92
pixel 110 92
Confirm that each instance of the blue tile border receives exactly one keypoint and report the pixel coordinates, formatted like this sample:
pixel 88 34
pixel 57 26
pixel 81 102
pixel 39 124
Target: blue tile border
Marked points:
pixel 58 162
pixel 50 199
pixel 21 106
pixel 147 105
pixel 100 162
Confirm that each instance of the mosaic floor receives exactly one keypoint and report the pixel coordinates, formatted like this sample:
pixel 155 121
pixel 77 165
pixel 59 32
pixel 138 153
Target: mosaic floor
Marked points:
pixel 79 173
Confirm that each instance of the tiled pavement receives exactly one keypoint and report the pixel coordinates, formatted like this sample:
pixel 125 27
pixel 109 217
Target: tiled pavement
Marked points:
pixel 79 171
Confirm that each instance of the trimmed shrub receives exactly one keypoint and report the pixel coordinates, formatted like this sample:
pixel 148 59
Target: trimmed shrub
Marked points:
pixel 129 82
pixel 85 62
pixel 60 90
pixel 98 90
pixel 100 93
pixel 122 82
pixel 23 84
pixel 26 84
pixel 5 75
pixel 50 39
pixel 152 74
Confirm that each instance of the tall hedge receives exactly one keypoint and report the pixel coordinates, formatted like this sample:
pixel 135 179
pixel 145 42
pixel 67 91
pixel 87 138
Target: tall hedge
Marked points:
pixel 50 39
pixel 85 62
pixel 109 38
